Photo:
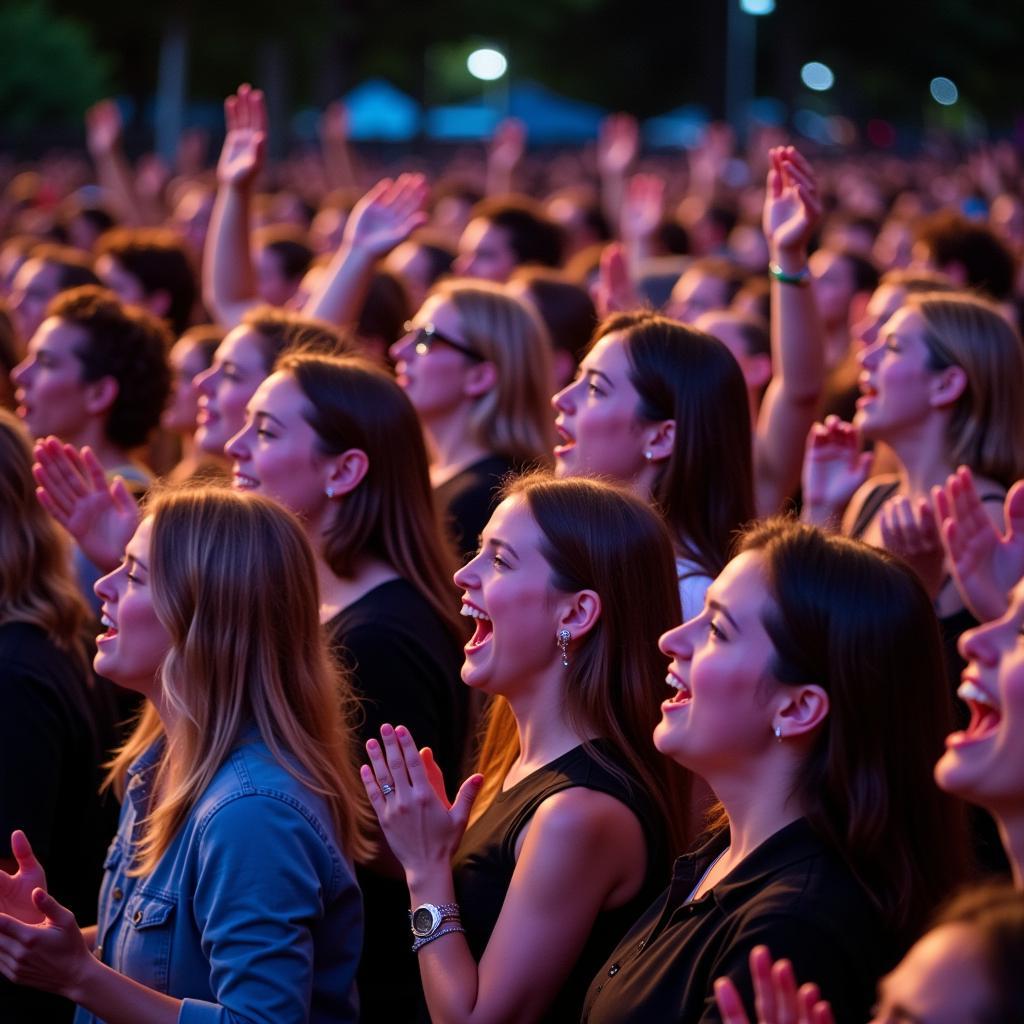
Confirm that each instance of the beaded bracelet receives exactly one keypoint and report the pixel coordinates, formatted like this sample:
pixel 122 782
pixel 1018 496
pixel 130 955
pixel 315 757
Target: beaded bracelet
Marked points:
pixel 801 278
pixel 427 939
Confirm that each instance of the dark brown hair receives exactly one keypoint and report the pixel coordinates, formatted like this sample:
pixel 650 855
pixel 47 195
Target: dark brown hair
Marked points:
pixel 857 622
pixel 279 329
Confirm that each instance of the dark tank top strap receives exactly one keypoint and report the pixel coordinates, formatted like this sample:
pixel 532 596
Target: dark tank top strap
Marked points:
pixel 871 505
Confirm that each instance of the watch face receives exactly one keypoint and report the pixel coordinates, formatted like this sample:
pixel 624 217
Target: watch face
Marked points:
pixel 423 921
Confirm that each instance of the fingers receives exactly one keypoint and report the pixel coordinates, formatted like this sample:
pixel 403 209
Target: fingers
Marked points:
pixel 464 800
pixel 784 989
pixel 372 787
pixel 411 757
pixel 730 1006
pixel 22 850
pixel 1013 510
pixel 394 758
pixel 764 988
pixel 52 910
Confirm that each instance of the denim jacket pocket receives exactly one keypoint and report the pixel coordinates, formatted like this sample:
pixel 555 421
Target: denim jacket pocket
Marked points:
pixel 146 936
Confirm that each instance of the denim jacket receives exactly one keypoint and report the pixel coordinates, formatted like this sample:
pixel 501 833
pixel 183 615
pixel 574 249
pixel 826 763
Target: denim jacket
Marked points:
pixel 252 913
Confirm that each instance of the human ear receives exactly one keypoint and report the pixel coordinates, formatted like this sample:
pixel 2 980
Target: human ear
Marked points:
pixel 479 379
pixel 949 385
pixel 802 710
pixel 659 440
pixel 579 612
pixel 100 395
pixel 346 472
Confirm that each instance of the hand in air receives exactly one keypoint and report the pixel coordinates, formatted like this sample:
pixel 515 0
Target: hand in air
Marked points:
pixel 642 206
pixel 792 206
pixel 911 533
pixel 776 997
pixel 103 128
pixel 73 488
pixel 387 214
pixel 985 564
pixel 614 292
pixel 834 466
pixel 16 889
pixel 241 157
pixel 508 144
pixel 422 828
pixel 618 144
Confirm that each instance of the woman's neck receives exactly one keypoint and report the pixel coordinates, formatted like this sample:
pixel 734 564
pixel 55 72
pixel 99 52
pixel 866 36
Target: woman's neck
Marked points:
pixel 924 462
pixel 1011 830
pixel 452 445
pixel 337 592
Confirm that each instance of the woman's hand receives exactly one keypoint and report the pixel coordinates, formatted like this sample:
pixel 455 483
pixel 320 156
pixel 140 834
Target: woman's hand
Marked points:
pixel 51 955
pixel 421 827
pixel 642 207
pixel 834 467
pixel 387 214
pixel 985 564
pixel 776 997
pixel 241 158
pixel 73 488
pixel 16 890
pixel 792 206
pixel 912 534
pixel 614 291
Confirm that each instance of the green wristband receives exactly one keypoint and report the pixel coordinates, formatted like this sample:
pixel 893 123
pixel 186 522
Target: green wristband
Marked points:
pixel 801 278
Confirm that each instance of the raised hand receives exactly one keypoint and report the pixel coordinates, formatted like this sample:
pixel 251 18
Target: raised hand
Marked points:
pixel 792 207
pixel 642 207
pixel 834 467
pixel 16 889
pixel 614 291
pixel 912 534
pixel 985 564
pixel 776 997
pixel 103 128
pixel 73 488
pixel 387 214
pixel 508 145
pixel 241 158
pixel 422 828
pixel 618 144
pixel 333 124
pixel 51 955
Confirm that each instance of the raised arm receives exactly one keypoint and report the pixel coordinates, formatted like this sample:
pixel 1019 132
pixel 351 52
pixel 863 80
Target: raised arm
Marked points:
pixel 565 874
pixel 641 214
pixel 618 144
pixel 229 280
pixel 386 215
pixel 103 135
pixel 504 156
pixel 792 210
pixel 339 162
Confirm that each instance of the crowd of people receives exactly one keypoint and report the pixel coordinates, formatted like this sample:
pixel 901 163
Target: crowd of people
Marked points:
pixel 576 587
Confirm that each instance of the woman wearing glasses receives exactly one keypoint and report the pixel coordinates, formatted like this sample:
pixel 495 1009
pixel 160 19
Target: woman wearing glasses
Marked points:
pixel 475 364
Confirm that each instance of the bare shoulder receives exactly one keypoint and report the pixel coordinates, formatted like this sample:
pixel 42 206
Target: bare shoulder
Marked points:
pixel 860 495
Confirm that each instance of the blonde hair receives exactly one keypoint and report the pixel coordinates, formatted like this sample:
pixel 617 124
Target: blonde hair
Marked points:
pixel 986 430
pixel 234 584
pixel 37 585
pixel 514 418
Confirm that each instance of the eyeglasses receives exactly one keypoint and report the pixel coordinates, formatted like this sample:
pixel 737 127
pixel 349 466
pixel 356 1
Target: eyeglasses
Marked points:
pixel 427 335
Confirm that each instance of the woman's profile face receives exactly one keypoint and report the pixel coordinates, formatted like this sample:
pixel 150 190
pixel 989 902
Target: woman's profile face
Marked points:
pixel 896 382
pixel 506 590
pixel 276 452
pixel 135 642
pixel 984 763
pixel 720 717
pixel 237 370
pixel 599 431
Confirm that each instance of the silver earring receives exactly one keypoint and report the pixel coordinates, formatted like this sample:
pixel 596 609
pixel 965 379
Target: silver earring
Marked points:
pixel 778 732
pixel 329 492
pixel 564 636
pixel 648 456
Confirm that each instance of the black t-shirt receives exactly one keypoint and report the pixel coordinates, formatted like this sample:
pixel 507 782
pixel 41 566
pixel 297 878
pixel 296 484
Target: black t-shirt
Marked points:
pixel 467 500
pixel 405 666
pixel 54 735
pixel 792 894
pixel 485 862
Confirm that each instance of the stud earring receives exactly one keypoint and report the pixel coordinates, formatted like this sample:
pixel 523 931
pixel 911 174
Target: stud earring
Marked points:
pixel 778 732
pixel 564 636
pixel 329 492
pixel 648 456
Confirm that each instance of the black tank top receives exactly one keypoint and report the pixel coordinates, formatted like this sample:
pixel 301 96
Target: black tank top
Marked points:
pixel 485 861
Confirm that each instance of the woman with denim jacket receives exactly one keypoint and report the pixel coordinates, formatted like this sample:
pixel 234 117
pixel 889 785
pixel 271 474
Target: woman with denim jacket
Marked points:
pixel 228 893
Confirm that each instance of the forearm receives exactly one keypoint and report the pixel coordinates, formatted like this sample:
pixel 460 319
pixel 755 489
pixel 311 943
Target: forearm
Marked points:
pixel 229 283
pixel 117 999
pixel 340 298
pixel 613 193
pixel 115 178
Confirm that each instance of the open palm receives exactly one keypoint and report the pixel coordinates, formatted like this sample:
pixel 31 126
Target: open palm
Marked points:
pixel 241 158
pixel 16 890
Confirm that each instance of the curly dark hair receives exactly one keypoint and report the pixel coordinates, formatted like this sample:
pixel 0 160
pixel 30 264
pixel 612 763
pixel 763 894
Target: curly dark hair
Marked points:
pixel 125 343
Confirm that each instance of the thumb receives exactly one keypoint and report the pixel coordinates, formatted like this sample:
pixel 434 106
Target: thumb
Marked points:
pixel 1015 510
pixel 22 850
pixel 468 792
pixel 51 909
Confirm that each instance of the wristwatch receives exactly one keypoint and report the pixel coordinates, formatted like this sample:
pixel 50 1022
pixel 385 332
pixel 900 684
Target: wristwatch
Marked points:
pixel 427 918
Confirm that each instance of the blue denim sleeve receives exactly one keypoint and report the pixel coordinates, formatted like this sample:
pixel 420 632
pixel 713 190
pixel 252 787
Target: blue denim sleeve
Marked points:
pixel 264 873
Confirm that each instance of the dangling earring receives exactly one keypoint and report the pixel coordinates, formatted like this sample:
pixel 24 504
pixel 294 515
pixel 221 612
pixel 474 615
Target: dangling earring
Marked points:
pixel 564 636
pixel 330 491
pixel 778 732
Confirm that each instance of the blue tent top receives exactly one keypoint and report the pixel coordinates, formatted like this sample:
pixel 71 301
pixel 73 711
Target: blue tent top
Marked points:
pixel 380 111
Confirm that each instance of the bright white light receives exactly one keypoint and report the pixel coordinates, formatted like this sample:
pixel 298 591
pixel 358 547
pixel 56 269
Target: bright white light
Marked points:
pixel 817 76
pixel 487 65
pixel 944 91
pixel 757 6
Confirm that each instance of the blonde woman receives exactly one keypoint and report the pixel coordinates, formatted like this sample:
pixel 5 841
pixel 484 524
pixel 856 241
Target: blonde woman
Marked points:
pixel 228 892
pixel 53 730
pixel 476 364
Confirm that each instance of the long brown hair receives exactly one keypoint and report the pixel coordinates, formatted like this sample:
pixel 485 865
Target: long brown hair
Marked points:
pixel 858 623
pixel 600 537
pixel 234 583
pixel 391 514
pixel 705 489
pixel 36 582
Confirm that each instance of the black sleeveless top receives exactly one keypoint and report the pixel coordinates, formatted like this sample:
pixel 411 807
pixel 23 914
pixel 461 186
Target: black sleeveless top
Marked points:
pixel 485 861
